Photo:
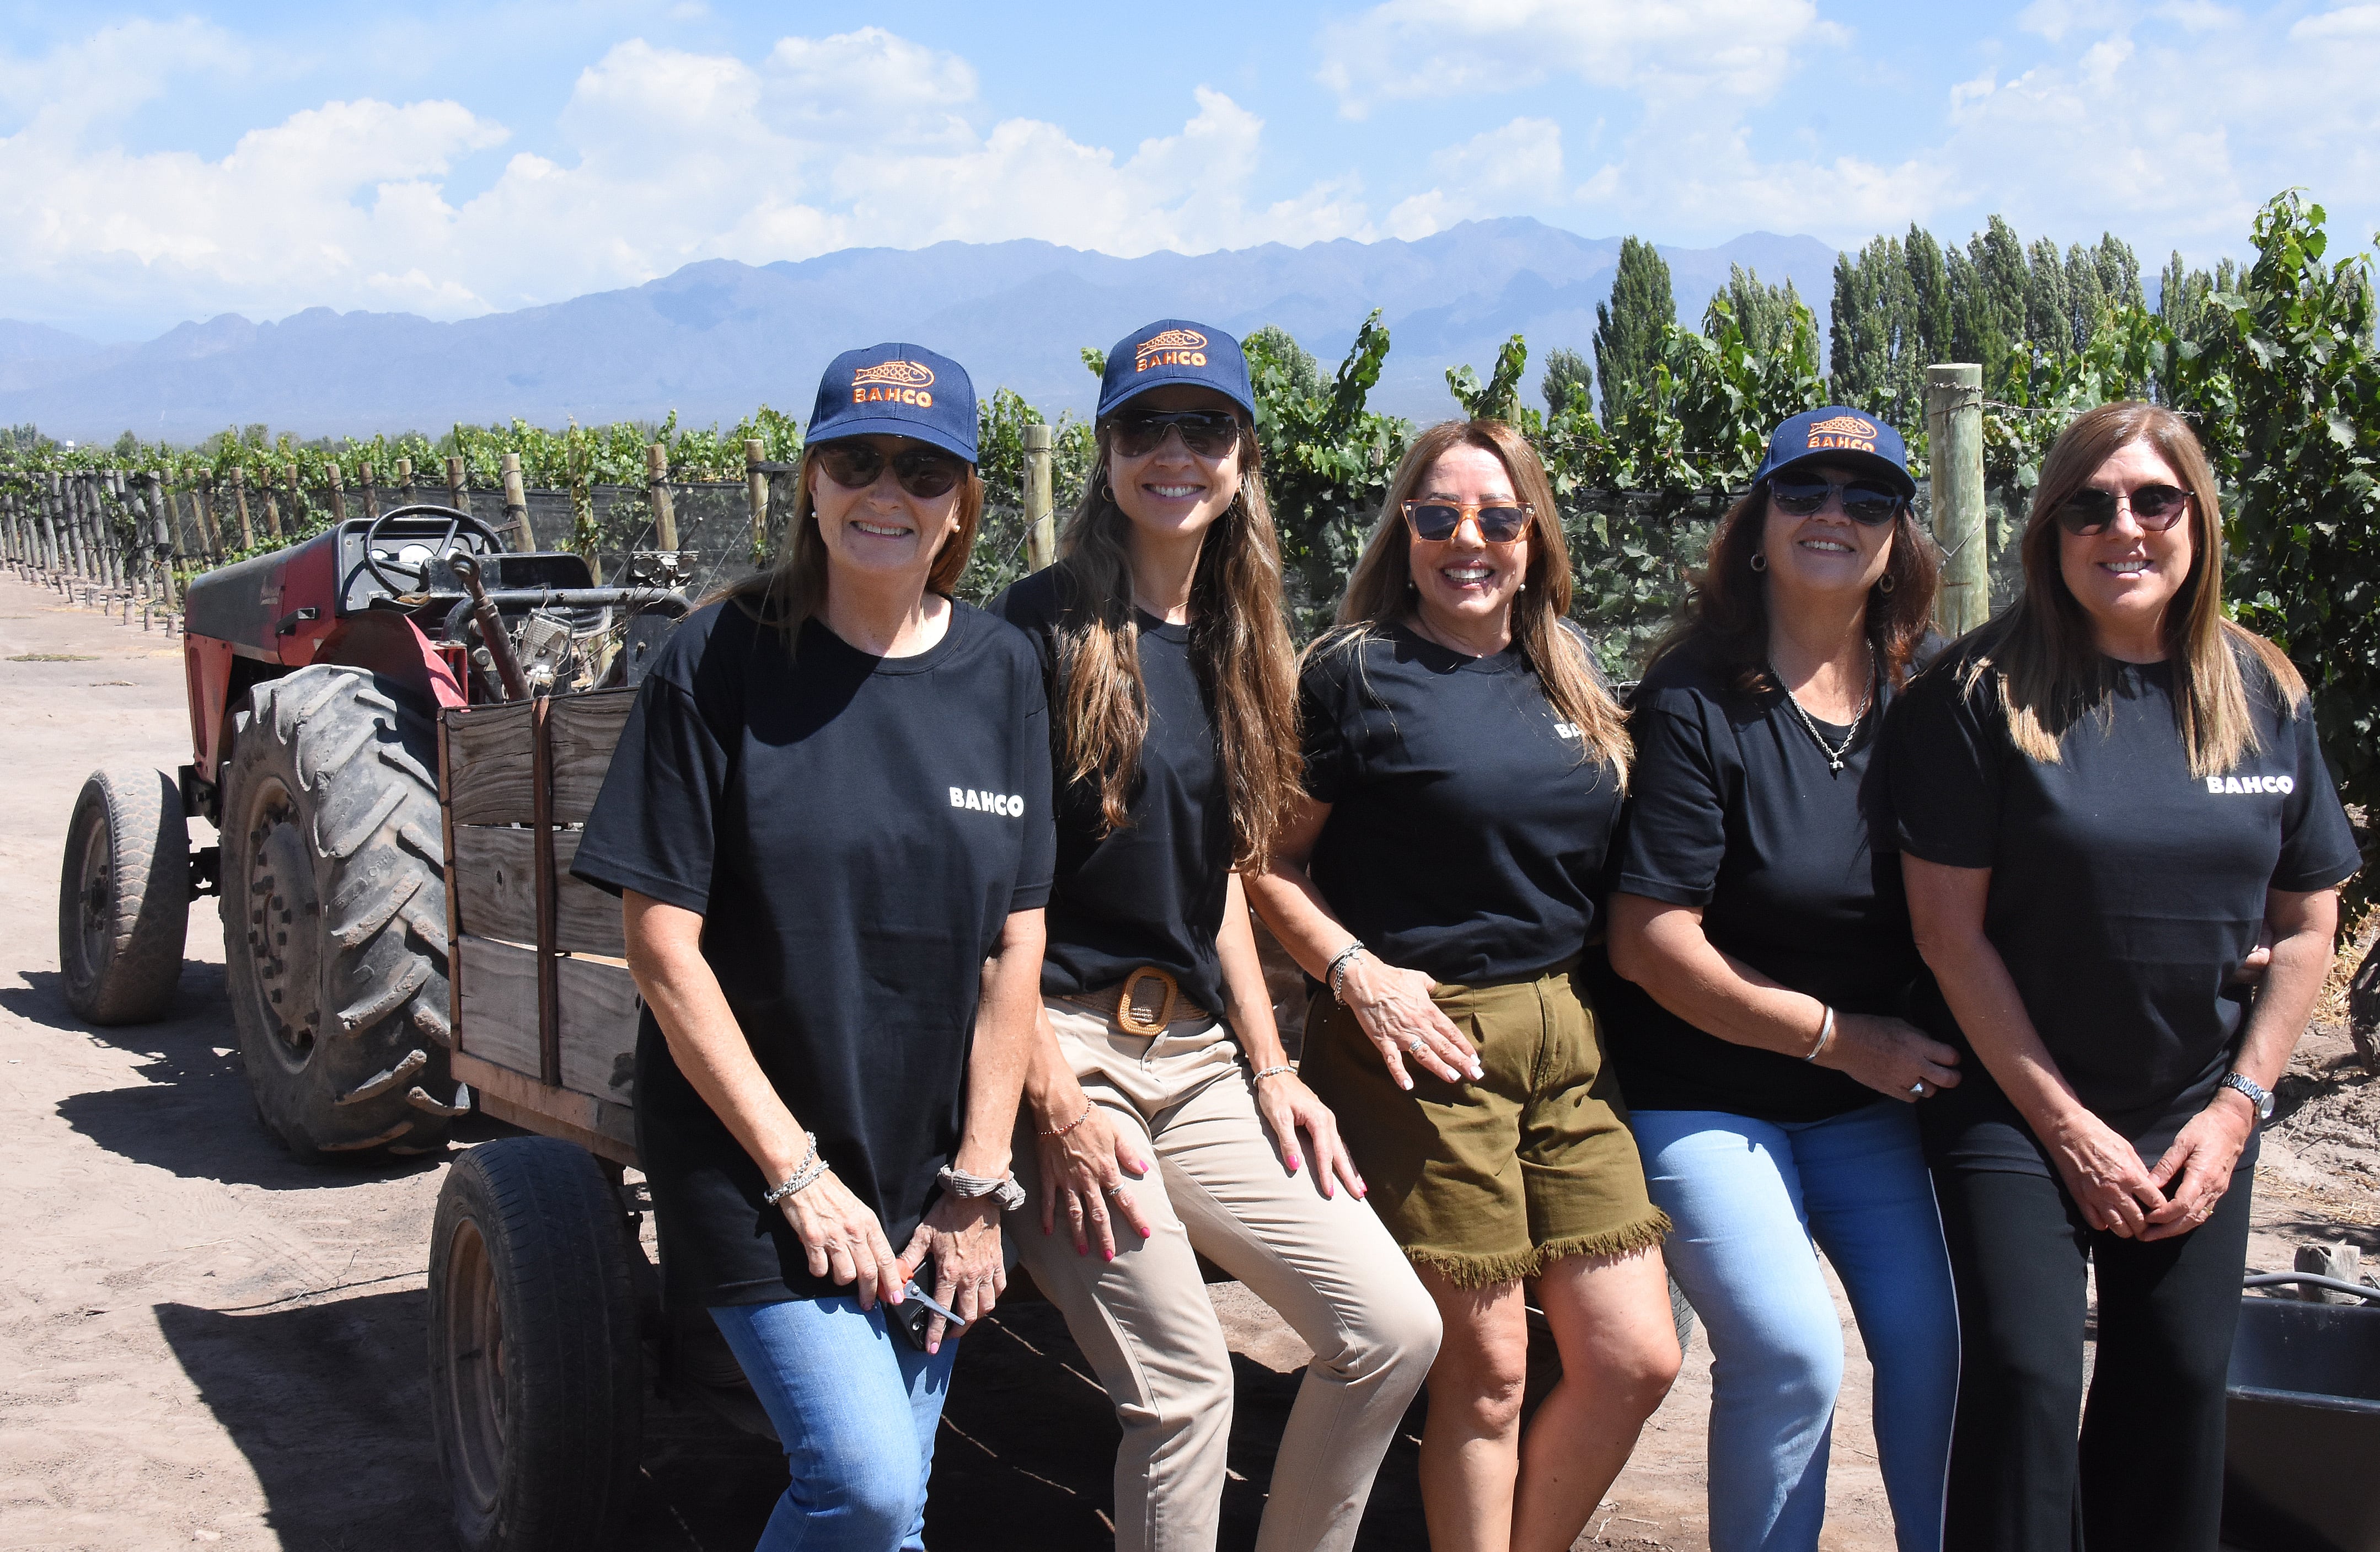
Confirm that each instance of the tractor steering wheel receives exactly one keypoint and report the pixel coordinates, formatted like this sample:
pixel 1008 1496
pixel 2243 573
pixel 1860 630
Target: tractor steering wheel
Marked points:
pixel 416 575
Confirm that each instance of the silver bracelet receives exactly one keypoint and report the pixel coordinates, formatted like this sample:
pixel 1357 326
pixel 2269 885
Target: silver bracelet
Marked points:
pixel 1274 1071
pixel 1337 973
pixel 967 1188
pixel 1826 1034
pixel 805 1175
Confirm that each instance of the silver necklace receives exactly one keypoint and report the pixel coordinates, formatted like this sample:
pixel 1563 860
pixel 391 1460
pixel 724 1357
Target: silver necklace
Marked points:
pixel 1835 753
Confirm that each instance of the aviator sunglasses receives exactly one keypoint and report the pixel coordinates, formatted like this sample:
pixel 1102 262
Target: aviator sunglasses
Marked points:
pixel 1207 434
pixel 924 472
pixel 2154 508
pixel 1870 506
pixel 1435 520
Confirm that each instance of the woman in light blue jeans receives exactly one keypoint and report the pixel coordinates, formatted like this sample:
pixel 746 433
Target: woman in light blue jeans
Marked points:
pixel 1758 901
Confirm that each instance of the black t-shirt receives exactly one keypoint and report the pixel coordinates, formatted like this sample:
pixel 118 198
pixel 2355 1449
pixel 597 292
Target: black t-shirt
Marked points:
pixel 1152 892
pixel 854 831
pixel 1466 833
pixel 2124 890
pixel 1733 807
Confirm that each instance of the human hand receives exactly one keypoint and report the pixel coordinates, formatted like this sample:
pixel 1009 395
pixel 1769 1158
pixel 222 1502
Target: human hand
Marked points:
pixel 2196 1170
pixel 844 1241
pixel 1891 1056
pixel 1084 1169
pixel 962 1234
pixel 1289 1107
pixel 2104 1174
pixel 2251 970
pixel 1393 1008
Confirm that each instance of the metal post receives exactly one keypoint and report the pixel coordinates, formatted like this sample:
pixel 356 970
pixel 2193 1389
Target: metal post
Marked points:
pixel 755 496
pixel 665 506
pixel 1954 436
pixel 517 502
pixel 1040 522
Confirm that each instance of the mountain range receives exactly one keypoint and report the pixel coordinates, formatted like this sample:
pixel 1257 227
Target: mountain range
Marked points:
pixel 717 337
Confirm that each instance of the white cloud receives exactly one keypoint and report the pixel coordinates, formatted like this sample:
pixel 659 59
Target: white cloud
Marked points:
pixel 1518 166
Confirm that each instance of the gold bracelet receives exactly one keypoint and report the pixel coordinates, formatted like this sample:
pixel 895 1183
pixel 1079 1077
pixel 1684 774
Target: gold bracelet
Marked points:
pixel 1087 1107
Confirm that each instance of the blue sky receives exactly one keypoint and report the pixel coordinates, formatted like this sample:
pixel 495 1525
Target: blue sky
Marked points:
pixel 160 164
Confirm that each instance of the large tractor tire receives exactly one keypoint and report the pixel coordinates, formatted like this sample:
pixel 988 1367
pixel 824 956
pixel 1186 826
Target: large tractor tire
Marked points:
pixel 124 897
pixel 334 914
pixel 536 1366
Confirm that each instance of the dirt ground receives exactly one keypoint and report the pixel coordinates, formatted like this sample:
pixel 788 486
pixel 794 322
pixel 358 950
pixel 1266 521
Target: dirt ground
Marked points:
pixel 203 1343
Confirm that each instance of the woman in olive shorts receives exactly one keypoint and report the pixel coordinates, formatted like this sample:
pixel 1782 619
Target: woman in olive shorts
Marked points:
pixel 1464 765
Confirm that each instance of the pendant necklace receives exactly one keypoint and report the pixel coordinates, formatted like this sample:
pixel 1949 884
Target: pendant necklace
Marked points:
pixel 1835 753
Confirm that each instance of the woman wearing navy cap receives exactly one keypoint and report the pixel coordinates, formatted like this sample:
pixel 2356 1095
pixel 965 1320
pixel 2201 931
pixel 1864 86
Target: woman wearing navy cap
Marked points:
pixel 828 821
pixel 2103 796
pixel 1159 1089
pixel 1771 1073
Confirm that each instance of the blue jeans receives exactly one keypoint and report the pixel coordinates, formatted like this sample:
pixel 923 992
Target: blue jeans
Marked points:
pixel 1753 1201
pixel 856 1407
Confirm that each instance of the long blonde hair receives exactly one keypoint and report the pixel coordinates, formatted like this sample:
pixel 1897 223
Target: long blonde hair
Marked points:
pixel 2050 674
pixel 1239 648
pixel 793 589
pixel 1379 590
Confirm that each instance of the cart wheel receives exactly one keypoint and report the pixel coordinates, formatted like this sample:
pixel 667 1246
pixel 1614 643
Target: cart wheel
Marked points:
pixel 124 897
pixel 535 1366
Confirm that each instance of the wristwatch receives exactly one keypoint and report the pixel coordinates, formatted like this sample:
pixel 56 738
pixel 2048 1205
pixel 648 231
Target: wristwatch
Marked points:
pixel 2258 1095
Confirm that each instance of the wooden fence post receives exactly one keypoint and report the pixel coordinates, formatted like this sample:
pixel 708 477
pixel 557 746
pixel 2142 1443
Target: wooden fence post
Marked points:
pixel 297 496
pixel 338 492
pixel 517 502
pixel 1954 438
pixel 1040 523
pixel 459 486
pixel 405 481
pixel 239 501
pixel 665 504
pixel 755 496
pixel 169 538
pixel 371 492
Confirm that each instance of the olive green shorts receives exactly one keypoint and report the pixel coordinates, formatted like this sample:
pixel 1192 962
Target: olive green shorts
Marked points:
pixel 1484 1183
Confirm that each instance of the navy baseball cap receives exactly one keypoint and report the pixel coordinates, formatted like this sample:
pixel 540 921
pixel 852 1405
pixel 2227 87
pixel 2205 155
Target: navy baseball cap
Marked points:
pixel 896 390
pixel 1173 350
pixel 1838 434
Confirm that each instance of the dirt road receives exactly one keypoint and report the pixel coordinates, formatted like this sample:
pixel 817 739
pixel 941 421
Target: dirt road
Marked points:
pixel 203 1343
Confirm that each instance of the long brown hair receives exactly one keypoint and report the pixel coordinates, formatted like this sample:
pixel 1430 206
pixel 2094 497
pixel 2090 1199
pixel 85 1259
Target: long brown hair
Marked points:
pixel 2050 672
pixel 1727 609
pixel 1239 648
pixel 1378 589
pixel 793 589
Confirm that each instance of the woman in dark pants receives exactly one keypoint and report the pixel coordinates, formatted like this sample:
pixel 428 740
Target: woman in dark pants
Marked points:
pixel 2103 796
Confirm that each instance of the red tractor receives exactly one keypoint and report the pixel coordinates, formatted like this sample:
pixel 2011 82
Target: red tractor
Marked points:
pixel 316 677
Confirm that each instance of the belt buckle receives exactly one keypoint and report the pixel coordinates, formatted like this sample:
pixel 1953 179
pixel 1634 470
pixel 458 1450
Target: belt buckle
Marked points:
pixel 1128 1018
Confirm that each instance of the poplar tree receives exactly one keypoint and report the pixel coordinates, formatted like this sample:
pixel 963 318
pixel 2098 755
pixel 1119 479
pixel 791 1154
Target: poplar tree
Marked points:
pixel 1627 330
pixel 1565 369
pixel 2049 309
pixel 1764 312
pixel 1929 285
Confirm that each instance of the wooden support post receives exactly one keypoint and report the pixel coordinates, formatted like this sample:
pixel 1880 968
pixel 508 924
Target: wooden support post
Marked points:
pixel 371 492
pixel 338 492
pixel 549 972
pixel 104 507
pixel 169 539
pixel 1040 522
pixel 204 496
pixel 297 496
pixel 70 515
pixel 665 506
pixel 240 501
pixel 130 555
pixel 405 481
pixel 517 503
pixel 1954 439
pixel 755 496
pixel 459 486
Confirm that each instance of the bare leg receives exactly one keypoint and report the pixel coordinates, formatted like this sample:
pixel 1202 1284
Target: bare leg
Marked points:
pixel 1471 1448
pixel 1610 1320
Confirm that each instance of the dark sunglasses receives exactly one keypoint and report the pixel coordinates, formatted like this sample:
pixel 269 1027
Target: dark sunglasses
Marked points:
pixel 1869 506
pixel 1207 434
pixel 2154 508
pixel 924 472
pixel 1436 521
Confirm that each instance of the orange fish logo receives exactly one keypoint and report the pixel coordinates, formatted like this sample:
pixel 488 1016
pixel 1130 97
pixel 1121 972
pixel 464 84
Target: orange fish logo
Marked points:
pixel 1845 425
pixel 1847 431
pixel 894 381
pixel 1174 348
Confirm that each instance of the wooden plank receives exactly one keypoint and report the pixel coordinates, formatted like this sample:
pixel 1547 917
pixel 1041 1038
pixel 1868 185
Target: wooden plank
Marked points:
pixel 498 1018
pixel 604 1129
pixel 454 906
pixel 499 895
pixel 492 763
pixel 548 1003
pixel 583 731
pixel 598 1028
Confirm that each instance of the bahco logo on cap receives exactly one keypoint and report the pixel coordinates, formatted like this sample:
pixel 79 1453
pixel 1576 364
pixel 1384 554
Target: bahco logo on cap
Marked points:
pixel 893 383
pixel 1842 430
pixel 1174 348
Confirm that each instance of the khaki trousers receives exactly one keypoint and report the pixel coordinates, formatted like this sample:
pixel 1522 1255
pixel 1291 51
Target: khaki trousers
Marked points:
pixel 1144 1319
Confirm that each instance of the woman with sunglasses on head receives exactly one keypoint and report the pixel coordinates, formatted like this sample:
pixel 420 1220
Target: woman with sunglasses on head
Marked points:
pixel 1464 765
pixel 1158 1092
pixel 2104 795
pixel 829 821
pixel 1771 1073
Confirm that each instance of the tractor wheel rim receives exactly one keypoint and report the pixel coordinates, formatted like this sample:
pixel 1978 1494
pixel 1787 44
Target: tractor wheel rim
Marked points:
pixel 475 1366
pixel 279 929
pixel 97 893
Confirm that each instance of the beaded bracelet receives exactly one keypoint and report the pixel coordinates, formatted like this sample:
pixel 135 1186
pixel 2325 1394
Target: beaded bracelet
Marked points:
pixel 1087 1107
pixel 1337 973
pixel 805 1175
pixel 1272 1072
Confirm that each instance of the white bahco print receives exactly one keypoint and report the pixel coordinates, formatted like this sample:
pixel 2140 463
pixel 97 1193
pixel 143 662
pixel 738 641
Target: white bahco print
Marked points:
pixel 1008 806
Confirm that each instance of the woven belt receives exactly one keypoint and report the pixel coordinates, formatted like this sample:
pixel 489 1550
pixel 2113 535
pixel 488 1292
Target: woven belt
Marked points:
pixel 1142 1003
